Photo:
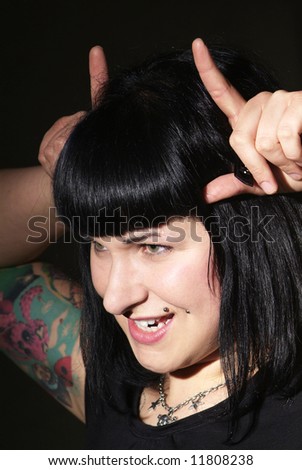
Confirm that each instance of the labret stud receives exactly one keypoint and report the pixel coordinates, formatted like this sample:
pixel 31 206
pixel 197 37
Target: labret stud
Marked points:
pixel 166 309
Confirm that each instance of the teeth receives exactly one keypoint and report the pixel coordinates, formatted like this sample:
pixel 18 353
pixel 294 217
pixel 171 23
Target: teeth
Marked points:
pixel 142 324
pixel 145 323
pixel 153 324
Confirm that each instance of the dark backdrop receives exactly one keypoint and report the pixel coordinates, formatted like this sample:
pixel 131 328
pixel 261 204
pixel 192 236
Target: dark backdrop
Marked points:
pixel 44 75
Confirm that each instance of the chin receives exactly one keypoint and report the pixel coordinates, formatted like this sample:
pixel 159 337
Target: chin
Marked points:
pixel 153 365
pixel 152 368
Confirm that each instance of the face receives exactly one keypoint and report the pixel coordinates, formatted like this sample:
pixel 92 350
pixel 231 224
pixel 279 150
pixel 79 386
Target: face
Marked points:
pixel 144 273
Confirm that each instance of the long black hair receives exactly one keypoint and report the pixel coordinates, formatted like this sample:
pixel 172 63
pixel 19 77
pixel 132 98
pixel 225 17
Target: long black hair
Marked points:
pixel 146 151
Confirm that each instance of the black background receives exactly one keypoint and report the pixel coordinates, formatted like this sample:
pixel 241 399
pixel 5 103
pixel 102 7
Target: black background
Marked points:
pixel 44 75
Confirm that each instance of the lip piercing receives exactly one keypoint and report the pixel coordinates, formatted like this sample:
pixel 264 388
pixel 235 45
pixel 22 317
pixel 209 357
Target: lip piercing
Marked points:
pixel 165 309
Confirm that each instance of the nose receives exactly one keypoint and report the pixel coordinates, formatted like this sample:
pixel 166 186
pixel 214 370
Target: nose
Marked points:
pixel 124 290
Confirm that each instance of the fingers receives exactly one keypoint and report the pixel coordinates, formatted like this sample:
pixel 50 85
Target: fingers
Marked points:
pixel 281 122
pixel 55 138
pixel 233 105
pixel 98 72
pixel 243 139
pixel 278 138
pixel 226 186
pixel 222 92
pixel 54 141
pixel 268 131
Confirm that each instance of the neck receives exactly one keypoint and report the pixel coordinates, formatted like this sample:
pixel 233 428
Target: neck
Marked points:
pixel 192 379
pixel 203 382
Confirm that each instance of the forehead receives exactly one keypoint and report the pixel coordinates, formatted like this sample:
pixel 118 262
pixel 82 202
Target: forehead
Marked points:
pixel 175 230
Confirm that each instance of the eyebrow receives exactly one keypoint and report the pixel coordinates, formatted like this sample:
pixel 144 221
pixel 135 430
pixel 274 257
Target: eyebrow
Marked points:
pixel 136 239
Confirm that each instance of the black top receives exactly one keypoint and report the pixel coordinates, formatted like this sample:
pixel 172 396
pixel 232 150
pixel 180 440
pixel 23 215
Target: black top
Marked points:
pixel 275 423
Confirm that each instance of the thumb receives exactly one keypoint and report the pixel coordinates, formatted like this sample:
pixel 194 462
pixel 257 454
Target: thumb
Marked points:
pixel 226 186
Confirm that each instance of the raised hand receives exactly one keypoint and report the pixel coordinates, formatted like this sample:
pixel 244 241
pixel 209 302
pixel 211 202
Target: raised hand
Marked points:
pixel 55 138
pixel 266 133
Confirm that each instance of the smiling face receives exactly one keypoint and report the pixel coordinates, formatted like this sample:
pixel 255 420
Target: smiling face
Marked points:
pixel 143 274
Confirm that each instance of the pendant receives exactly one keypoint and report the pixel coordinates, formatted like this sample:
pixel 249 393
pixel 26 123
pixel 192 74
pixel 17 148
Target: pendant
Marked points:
pixel 154 404
pixel 195 404
pixel 163 420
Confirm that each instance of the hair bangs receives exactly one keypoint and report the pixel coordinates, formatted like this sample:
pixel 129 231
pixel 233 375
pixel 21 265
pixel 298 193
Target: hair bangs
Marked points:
pixel 136 173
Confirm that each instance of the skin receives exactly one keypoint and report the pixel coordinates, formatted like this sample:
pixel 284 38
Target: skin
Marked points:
pixel 266 136
pixel 57 306
pixel 138 279
pixel 55 138
pixel 26 193
pixel 266 132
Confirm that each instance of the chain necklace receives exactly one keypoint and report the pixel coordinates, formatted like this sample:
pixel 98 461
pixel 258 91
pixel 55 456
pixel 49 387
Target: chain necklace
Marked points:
pixel 195 401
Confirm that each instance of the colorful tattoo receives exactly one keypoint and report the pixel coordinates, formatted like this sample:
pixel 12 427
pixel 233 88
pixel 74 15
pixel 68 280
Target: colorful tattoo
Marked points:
pixel 39 328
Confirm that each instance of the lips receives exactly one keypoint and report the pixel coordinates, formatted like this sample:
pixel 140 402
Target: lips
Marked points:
pixel 150 330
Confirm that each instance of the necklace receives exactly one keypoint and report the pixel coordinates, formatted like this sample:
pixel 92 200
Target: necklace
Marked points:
pixel 169 417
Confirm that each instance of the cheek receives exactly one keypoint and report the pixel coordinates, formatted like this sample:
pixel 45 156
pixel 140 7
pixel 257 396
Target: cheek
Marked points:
pixel 98 277
pixel 123 323
pixel 186 284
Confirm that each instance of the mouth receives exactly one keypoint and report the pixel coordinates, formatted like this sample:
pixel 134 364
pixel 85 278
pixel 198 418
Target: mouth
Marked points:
pixel 150 330
pixel 154 324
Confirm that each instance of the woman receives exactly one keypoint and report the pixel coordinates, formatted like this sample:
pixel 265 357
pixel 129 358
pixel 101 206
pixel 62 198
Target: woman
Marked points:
pixel 191 323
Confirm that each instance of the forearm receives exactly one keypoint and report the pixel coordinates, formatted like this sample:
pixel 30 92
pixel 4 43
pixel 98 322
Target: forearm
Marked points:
pixel 28 223
pixel 39 330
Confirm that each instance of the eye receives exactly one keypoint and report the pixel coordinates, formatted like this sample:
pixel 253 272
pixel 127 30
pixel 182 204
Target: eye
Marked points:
pixel 98 247
pixel 156 249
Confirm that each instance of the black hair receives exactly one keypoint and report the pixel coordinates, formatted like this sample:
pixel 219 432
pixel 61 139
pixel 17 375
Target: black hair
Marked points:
pixel 146 151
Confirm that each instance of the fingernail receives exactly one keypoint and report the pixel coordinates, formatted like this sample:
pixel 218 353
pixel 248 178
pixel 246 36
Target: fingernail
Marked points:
pixel 295 176
pixel 267 187
pixel 243 174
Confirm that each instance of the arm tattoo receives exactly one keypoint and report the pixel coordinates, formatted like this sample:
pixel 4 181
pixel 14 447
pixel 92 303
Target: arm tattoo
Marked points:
pixel 39 327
